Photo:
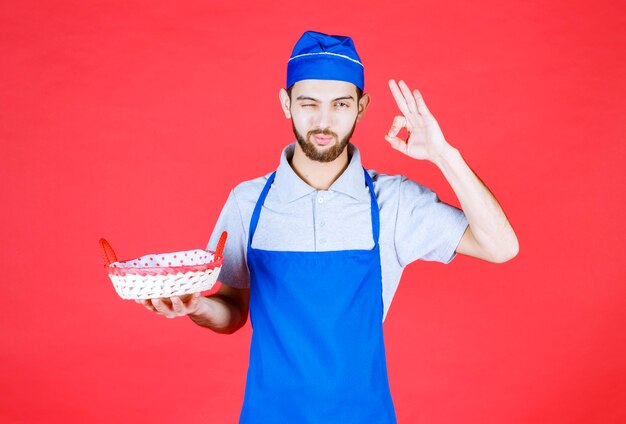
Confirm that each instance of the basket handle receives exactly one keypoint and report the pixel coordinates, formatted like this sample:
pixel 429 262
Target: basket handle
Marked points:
pixel 107 252
pixel 220 246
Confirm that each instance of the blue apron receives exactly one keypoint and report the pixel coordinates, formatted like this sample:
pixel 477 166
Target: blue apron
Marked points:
pixel 317 353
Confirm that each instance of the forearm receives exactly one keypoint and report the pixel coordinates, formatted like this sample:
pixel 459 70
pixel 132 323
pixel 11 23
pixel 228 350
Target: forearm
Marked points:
pixel 489 225
pixel 219 314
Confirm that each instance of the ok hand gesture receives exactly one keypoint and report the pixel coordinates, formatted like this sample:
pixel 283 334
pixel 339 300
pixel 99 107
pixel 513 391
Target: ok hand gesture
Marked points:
pixel 425 141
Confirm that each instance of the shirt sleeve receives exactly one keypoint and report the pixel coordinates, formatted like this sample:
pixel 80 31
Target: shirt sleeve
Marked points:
pixel 234 270
pixel 426 228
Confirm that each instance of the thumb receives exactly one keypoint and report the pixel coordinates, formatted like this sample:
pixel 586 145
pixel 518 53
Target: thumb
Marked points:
pixel 396 126
pixel 397 143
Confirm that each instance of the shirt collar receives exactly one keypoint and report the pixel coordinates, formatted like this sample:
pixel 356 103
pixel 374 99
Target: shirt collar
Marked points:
pixel 291 187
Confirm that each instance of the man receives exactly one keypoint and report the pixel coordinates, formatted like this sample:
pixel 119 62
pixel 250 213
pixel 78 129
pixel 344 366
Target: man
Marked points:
pixel 316 249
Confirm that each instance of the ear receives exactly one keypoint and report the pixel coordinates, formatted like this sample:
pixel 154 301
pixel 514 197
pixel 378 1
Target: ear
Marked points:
pixel 363 104
pixel 285 103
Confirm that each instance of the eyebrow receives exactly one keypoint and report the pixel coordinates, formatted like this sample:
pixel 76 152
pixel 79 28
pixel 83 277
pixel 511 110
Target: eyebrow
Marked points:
pixel 316 100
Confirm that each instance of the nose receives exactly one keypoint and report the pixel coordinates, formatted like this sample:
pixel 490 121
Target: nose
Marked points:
pixel 324 119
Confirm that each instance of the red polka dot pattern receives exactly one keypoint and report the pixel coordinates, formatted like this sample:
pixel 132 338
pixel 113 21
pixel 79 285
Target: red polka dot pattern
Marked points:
pixel 184 258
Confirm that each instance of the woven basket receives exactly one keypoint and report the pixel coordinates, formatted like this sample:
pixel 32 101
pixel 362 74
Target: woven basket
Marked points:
pixel 164 274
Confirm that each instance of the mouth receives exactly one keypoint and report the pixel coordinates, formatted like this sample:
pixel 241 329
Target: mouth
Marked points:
pixel 322 140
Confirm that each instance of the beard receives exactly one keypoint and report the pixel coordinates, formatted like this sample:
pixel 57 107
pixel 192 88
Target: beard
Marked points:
pixel 322 155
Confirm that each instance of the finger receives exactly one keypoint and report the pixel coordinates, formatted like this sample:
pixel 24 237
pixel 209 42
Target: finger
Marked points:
pixel 160 306
pixel 410 100
pixel 400 100
pixel 397 143
pixel 194 303
pixel 177 305
pixel 399 122
pixel 185 298
pixel 145 303
pixel 193 299
pixel 421 104
pixel 163 308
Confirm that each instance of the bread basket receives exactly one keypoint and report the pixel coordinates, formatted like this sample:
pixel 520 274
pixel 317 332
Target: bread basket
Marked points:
pixel 164 274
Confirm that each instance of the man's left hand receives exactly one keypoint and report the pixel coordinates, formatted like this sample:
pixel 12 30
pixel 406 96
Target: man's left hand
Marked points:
pixel 425 141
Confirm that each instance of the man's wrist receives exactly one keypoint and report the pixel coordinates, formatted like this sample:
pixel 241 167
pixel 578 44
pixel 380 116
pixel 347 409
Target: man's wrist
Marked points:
pixel 445 157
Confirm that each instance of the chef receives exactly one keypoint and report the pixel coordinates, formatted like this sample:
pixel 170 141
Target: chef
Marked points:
pixel 317 247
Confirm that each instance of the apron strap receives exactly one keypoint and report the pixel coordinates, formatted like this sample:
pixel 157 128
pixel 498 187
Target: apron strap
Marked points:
pixel 257 208
pixel 373 209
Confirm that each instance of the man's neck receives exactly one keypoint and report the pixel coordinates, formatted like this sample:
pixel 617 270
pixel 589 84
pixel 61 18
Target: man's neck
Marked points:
pixel 319 175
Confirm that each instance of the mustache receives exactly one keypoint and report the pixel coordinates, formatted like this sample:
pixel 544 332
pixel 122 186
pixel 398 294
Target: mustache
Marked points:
pixel 326 132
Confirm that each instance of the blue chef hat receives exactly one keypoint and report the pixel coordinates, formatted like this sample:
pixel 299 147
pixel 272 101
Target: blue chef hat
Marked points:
pixel 326 57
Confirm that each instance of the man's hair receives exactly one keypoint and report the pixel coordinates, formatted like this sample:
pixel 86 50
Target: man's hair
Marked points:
pixel 359 93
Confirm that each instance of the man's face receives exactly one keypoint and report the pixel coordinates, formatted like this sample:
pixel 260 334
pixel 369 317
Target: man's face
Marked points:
pixel 323 115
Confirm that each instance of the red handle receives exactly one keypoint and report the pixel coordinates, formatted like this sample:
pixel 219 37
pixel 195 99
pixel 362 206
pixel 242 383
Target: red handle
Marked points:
pixel 107 252
pixel 220 246
pixel 109 255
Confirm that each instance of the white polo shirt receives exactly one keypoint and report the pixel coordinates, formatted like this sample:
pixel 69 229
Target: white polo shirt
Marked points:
pixel 414 223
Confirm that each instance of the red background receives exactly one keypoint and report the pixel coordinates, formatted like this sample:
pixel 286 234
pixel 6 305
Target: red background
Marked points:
pixel 133 120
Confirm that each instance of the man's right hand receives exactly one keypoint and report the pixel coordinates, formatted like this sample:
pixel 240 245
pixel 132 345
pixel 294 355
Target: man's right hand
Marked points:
pixel 172 307
pixel 223 312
